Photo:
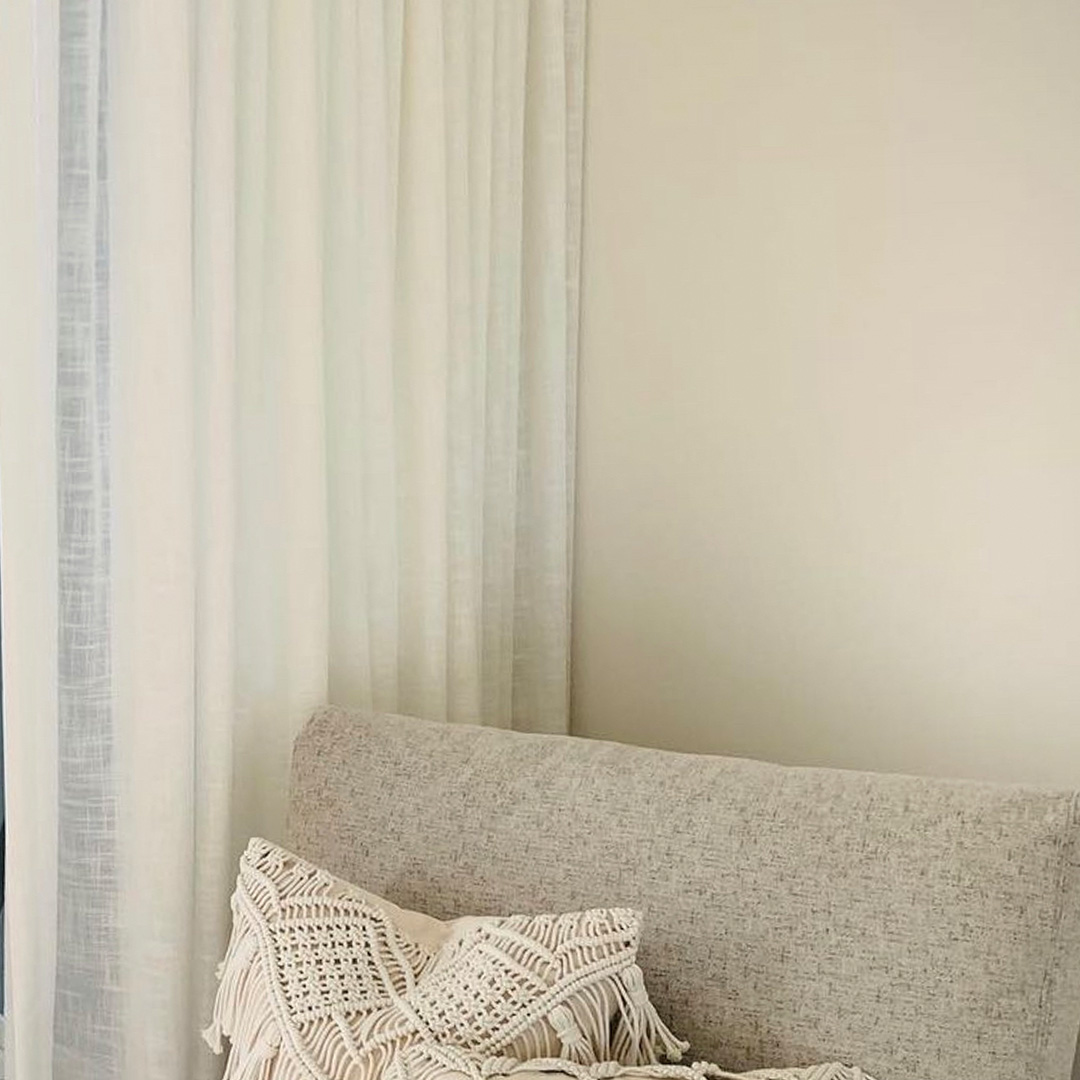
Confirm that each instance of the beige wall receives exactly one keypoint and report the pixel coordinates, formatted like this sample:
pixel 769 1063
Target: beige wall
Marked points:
pixel 829 459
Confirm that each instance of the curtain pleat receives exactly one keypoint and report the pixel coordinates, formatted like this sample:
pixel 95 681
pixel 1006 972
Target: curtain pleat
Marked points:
pixel 281 452
pixel 214 403
pixel 87 1010
pixel 550 241
pixel 288 320
pixel 29 547
pixel 155 562
pixel 360 251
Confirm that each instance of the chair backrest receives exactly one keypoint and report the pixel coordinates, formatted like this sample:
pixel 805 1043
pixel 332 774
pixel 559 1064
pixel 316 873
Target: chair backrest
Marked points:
pixel 924 929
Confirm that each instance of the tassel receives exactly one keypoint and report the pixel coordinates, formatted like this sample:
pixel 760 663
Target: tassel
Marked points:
pixel 575 1045
pixel 243 1008
pixel 639 1031
pixel 256 1063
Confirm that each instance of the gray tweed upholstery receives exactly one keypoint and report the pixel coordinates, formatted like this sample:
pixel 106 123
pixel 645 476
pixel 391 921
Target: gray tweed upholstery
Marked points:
pixel 927 930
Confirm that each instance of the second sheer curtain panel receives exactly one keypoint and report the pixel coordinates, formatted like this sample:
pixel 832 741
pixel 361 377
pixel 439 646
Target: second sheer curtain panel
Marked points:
pixel 407 251
pixel 451 202
pixel 407 230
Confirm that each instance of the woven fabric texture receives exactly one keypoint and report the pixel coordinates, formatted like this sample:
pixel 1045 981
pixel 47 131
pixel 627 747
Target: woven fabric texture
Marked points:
pixel 921 928
pixel 320 982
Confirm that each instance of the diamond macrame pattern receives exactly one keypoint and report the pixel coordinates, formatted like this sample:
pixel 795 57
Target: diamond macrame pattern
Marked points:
pixel 344 957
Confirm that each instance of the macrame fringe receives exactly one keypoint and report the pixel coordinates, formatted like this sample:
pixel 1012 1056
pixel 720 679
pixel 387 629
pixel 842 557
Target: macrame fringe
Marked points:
pixel 498 1069
pixel 443 1060
pixel 611 1020
pixel 243 1010
pixel 640 1036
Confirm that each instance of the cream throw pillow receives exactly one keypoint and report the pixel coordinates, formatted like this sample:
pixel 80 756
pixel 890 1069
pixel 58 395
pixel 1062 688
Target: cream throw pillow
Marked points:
pixel 324 980
pixel 700 1070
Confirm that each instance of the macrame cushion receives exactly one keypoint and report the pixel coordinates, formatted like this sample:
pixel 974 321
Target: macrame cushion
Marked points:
pixel 700 1070
pixel 324 981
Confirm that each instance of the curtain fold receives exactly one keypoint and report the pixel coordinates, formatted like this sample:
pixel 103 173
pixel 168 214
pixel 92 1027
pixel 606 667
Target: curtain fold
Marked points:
pixel 29 600
pixel 288 319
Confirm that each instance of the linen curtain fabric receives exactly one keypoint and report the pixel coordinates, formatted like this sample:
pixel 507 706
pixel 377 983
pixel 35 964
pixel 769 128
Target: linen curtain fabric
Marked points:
pixel 288 320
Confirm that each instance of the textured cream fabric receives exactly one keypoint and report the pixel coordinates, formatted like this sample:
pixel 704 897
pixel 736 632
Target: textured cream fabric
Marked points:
pixel 920 928
pixel 321 979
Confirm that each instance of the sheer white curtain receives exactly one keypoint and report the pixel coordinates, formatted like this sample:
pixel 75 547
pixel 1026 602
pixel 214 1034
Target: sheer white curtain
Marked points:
pixel 288 303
